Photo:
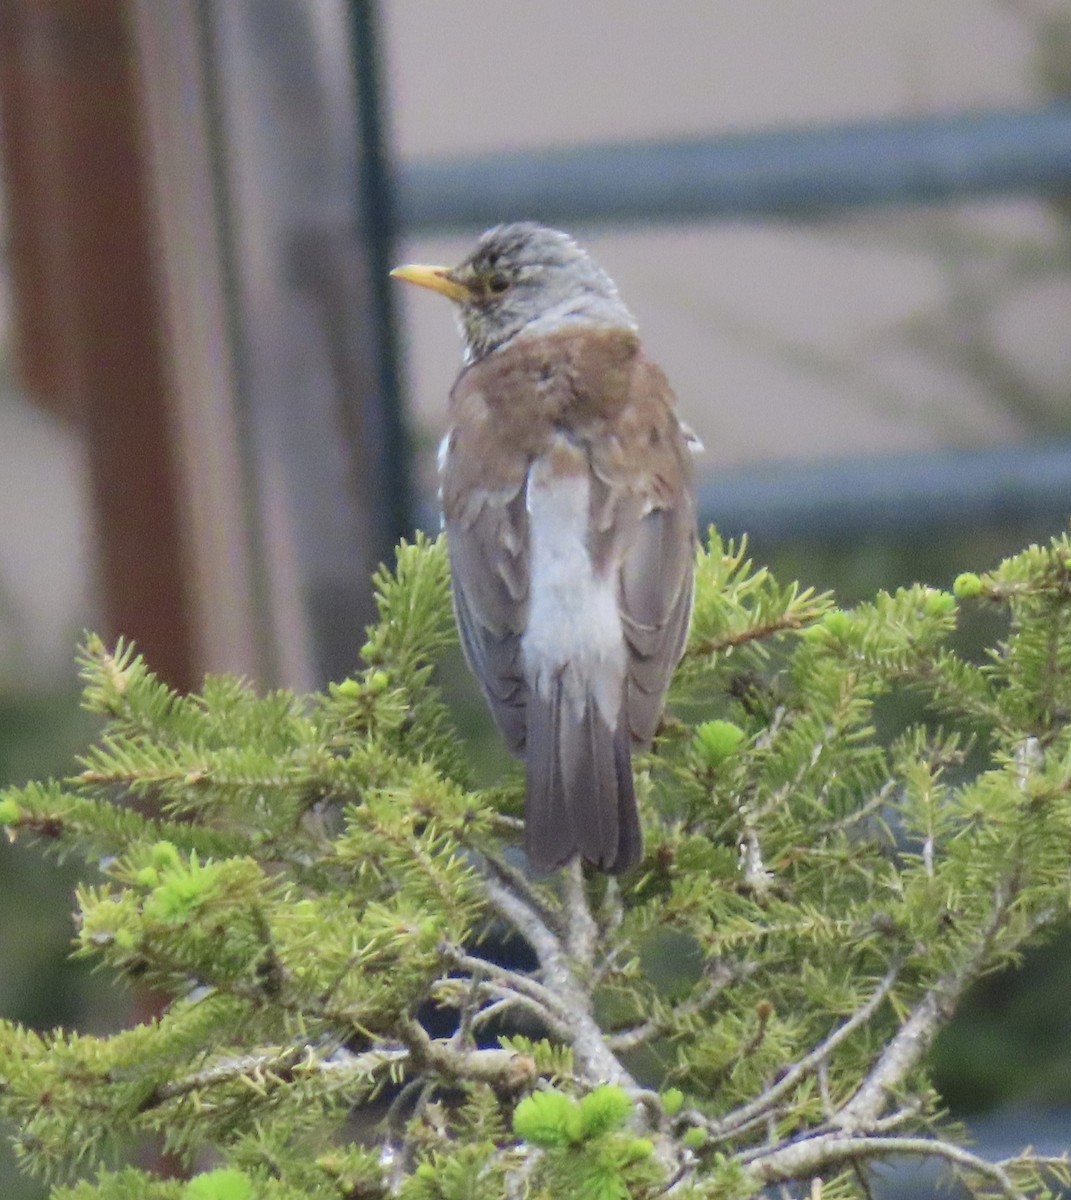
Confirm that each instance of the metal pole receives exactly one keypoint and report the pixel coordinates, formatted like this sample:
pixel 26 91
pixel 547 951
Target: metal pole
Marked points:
pixel 377 229
pixel 884 497
pixel 796 173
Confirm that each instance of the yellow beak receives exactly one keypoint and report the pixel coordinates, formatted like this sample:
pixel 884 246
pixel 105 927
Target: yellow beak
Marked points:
pixel 439 279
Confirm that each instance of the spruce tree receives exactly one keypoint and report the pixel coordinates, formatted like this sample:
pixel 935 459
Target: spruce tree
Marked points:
pixel 369 997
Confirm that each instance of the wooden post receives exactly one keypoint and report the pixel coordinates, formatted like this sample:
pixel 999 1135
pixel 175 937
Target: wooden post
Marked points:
pixel 89 337
pixel 201 232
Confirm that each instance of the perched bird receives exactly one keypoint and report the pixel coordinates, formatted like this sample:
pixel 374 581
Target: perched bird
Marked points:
pixel 570 520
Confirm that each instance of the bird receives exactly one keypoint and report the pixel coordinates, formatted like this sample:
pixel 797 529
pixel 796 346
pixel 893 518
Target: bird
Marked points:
pixel 568 505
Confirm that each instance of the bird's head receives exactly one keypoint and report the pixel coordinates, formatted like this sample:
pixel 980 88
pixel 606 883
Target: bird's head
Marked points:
pixel 519 276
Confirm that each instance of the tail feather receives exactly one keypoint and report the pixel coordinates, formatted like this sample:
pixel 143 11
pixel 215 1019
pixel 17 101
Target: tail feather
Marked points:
pixel 549 831
pixel 580 793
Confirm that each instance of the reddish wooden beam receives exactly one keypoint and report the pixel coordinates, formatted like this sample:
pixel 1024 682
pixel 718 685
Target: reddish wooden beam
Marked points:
pixel 90 334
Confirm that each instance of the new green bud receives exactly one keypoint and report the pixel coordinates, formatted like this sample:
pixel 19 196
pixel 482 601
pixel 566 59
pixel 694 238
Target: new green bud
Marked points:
pixel 547 1118
pixel 125 940
pixel 639 1148
pixel 939 604
pixel 606 1108
pixel 164 856
pixel 694 1138
pixel 223 1184
pixel 715 741
pixel 837 622
pixel 967 586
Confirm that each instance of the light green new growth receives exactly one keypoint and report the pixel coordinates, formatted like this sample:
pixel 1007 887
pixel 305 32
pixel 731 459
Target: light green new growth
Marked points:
pixel 322 891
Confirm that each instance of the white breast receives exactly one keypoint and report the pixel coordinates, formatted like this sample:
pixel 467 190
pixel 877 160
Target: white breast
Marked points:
pixel 574 628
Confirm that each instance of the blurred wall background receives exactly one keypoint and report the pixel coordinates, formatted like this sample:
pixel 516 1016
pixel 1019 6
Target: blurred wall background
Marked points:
pixel 201 377
pixel 868 334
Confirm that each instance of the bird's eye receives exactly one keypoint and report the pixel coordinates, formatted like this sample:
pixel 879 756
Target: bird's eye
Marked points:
pixel 498 283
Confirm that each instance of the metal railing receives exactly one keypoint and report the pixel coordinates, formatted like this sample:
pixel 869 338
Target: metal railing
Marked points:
pixel 796 173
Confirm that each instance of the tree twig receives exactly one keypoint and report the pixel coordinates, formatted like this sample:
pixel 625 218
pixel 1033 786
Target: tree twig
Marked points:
pixel 755 1110
pixel 916 1035
pixel 549 914
pixel 277 1063
pixel 716 982
pixel 810 1156
pixel 499 1068
pixel 751 633
pixel 594 1059
pixel 510 982
pixel 581 932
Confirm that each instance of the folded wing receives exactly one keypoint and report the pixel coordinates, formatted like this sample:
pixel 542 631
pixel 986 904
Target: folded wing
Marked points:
pixel 487 543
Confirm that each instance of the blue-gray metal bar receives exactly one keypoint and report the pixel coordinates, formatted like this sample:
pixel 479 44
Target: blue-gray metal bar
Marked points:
pixel 903 494
pixel 898 495
pixel 783 173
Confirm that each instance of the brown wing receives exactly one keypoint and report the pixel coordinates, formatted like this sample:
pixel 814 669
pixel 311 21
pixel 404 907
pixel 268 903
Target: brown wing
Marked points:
pixel 656 609
pixel 484 472
pixel 488 564
pixel 645 528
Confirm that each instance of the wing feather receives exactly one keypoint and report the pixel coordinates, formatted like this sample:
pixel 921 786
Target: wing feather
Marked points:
pixel 488 567
pixel 655 600
pixel 644 524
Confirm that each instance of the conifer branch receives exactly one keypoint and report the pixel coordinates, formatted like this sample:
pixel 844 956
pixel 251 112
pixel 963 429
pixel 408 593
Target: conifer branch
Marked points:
pixel 581 932
pixel 279 1065
pixel 304 961
pixel 859 815
pixel 502 1069
pixel 518 882
pixel 916 1035
pixel 789 622
pixel 594 1059
pixel 746 1115
pixel 827 1152
pixel 512 988
pixel 717 980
